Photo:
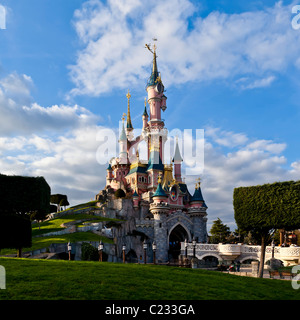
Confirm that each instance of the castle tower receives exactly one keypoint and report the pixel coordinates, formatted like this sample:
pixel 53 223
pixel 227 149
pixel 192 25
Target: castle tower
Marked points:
pixel 156 133
pixel 109 174
pixel 197 212
pixel 177 159
pixel 160 208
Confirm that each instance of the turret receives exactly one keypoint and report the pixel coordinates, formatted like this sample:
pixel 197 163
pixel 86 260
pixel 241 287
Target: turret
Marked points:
pixel 109 174
pixel 123 144
pixel 177 159
pixel 145 116
pixel 135 199
pixel 129 127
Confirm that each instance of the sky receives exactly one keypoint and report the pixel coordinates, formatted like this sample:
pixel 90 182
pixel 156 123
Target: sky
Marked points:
pixel 230 68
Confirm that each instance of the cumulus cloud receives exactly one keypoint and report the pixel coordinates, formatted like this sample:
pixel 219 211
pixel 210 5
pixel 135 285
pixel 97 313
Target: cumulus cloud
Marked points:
pixel 20 114
pixel 250 48
pixel 245 162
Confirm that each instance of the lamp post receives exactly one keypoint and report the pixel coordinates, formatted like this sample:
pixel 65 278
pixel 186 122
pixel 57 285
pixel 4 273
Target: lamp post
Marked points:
pixel 123 250
pixel 185 247
pixel 145 250
pixel 69 250
pixel 100 249
pixel 194 247
pixel 154 251
pixel 273 248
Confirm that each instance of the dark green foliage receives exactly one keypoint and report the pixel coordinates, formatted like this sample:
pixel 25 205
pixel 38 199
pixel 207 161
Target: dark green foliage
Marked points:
pixel 38 215
pixel 88 252
pixel 15 231
pixel 57 198
pixel 64 202
pixel 120 193
pixel 53 208
pixel 219 232
pixel 263 209
pixel 21 197
pixel 23 194
pixel 269 206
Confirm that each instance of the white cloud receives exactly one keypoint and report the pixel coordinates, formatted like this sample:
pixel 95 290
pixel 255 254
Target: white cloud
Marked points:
pixel 251 45
pixel 19 114
pixel 245 162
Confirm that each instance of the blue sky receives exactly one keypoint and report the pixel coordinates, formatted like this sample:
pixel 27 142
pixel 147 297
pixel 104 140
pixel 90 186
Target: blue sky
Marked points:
pixel 230 67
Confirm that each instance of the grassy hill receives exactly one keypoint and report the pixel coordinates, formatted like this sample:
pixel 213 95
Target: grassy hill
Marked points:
pixel 86 280
pixel 58 223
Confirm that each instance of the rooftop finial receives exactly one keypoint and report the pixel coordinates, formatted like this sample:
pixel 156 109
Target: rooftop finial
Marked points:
pixel 148 46
pixel 198 182
pixel 129 124
pixel 159 177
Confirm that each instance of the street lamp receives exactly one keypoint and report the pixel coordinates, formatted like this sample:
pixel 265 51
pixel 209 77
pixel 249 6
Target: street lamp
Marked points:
pixel 273 248
pixel 185 247
pixel 145 249
pixel 69 250
pixel 100 249
pixel 194 247
pixel 154 251
pixel 124 249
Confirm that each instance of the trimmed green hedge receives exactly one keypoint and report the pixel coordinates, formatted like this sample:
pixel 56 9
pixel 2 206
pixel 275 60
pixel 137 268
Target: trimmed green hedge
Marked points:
pixel 268 206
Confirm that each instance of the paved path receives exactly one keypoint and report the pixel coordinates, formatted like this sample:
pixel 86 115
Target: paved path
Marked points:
pixel 248 273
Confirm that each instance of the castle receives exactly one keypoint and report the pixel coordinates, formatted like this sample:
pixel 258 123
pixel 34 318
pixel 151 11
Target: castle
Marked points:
pixel 158 206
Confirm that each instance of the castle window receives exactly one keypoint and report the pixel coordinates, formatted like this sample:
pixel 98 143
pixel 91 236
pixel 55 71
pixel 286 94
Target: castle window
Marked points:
pixel 149 179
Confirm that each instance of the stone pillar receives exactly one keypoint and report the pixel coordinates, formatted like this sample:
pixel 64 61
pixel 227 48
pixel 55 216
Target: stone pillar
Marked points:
pixel 161 238
pixel 255 267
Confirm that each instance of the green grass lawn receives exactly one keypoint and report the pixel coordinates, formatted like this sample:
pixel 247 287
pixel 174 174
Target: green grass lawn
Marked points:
pixel 55 225
pixel 86 280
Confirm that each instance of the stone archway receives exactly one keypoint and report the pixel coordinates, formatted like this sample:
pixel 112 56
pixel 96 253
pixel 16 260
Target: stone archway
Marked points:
pixel 177 235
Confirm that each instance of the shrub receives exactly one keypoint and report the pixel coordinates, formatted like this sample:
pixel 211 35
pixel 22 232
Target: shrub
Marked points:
pixel 120 194
pixel 88 252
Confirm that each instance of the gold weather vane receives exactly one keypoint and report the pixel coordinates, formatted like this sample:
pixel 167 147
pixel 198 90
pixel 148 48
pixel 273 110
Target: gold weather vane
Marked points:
pixel 123 117
pixel 154 46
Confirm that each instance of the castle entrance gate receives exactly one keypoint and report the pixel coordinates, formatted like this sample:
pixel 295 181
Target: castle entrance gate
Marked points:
pixel 177 235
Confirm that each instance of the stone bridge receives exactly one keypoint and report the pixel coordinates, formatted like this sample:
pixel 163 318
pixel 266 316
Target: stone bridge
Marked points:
pixel 241 252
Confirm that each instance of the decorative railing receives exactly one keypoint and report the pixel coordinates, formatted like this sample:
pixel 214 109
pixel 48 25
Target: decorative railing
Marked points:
pixel 284 253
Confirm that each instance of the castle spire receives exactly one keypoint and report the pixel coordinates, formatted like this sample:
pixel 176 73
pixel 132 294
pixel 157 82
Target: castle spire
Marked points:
pixel 129 124
pixel 155 76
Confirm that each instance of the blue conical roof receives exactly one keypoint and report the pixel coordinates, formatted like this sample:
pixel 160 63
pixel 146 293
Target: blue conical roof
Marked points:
pixel 135 194
pixel 123 136
pixel 159 192
pixel 155 161
pixel 197 195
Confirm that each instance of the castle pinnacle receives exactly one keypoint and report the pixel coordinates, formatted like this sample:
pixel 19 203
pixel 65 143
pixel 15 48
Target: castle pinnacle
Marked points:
pixel 129 124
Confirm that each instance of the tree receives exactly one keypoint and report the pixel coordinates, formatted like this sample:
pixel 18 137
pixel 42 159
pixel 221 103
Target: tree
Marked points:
pixel 64 202
pixel 15 232
pixel 20 198
pixel 120 194
pixel 23 195
pixel 219 231
pixel 57 198
pixel 263 209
